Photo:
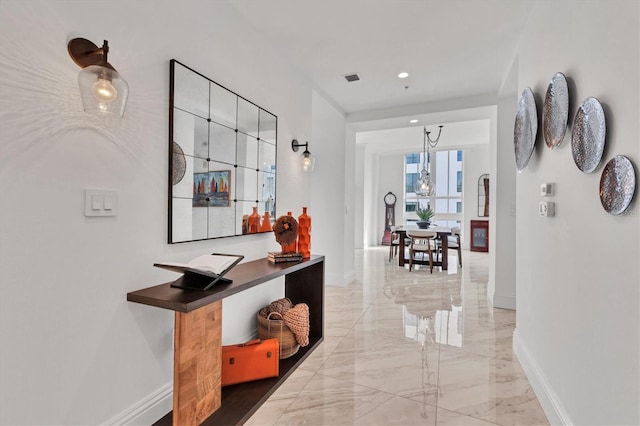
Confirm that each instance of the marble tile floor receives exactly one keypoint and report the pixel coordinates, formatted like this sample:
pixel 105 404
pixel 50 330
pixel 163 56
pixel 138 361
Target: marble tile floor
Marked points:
pixel 409 348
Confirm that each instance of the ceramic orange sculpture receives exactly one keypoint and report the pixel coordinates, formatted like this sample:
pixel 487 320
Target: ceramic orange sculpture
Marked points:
pixel 304 234
pixel 290 248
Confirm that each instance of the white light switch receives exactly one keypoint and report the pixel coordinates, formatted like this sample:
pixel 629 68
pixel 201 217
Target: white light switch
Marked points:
pixel 546 208
pixel 96 202
pixel 108 202
pixel 100 202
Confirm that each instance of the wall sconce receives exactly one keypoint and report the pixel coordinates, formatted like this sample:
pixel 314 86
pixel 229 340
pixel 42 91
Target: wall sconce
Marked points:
pixel 102 89
pixel 308 160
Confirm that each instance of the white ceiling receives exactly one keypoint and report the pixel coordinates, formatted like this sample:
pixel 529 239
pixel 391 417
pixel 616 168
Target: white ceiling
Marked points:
pixel 452 48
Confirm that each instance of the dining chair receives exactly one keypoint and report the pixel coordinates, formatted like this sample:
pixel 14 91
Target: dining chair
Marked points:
pixel 394 244
pixel 422 242
pixel 455 244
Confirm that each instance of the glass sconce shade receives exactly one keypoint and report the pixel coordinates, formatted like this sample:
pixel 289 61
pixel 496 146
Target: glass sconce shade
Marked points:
pixel 308 161
pixel 103 91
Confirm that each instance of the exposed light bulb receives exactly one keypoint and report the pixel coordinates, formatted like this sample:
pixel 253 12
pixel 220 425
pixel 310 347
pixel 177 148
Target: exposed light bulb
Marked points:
pixel 306 163
pixel 104 91
pixel 424 186
pixel 403 75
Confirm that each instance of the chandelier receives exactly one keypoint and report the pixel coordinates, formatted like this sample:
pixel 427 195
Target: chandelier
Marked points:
pixel 424 186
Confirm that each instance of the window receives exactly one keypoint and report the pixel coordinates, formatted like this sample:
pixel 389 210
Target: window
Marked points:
pixel 413 158
pixel 411 179
pixel 446 172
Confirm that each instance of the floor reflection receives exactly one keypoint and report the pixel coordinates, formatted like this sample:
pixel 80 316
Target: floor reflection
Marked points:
pixel 409 348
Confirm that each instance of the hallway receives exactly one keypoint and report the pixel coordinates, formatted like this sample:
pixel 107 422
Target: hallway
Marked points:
pixel 409 348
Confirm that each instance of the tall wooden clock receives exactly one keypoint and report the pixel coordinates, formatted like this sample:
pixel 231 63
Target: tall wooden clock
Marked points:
pixel 389 217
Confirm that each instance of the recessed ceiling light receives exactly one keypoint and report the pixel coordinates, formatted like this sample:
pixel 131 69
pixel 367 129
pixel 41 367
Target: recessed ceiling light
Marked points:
pixel 414 121
pixel 403 75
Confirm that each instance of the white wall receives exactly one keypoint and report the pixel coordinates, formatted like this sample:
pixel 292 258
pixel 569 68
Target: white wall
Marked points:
pixel 578 281
pixel 327 193
pixel 502 200
pixel 359 190
pixel 475 163
pixel 390 178
pixel 73 350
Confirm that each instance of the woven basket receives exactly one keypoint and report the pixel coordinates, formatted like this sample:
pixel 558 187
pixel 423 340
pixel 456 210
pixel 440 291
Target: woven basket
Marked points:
pixel 274 327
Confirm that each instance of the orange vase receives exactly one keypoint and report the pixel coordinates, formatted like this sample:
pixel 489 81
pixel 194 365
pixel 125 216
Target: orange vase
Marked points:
pixel 304 234
pixel 254 221
pixel 290 248
pixel 266 223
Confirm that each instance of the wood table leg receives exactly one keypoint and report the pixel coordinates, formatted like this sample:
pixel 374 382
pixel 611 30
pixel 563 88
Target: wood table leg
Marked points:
pixel 445 252
pixel 197 372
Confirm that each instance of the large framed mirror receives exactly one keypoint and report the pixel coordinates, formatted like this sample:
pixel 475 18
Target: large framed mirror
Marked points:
pixel 483 196
pixel 222 167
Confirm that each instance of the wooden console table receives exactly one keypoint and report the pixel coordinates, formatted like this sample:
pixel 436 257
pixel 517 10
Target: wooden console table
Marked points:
pixel 197 394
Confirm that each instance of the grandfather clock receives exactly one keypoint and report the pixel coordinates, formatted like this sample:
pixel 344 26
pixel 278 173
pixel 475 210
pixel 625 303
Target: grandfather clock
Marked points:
pixel 389 217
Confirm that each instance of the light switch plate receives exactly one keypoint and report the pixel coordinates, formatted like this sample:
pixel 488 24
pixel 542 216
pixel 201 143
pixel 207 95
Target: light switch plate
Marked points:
pixel 100 202
pixel 546 208
pixel 546 189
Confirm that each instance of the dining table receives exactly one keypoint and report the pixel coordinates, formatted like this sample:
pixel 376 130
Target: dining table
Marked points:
pixel 443 234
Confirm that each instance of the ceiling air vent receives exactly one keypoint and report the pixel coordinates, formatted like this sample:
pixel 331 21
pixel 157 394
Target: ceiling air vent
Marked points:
pixel 352 77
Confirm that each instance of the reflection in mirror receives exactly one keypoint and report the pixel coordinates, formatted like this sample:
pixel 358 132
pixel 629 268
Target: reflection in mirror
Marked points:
pixel 247 151
pixel 483 196
pixel 223 106
pixel 223 151
pixel 247 117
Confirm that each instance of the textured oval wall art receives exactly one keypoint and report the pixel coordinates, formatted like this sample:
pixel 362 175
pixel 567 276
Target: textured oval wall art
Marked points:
pixel 588 135
pixel 525 129
pixel 617 185
pixel 555 112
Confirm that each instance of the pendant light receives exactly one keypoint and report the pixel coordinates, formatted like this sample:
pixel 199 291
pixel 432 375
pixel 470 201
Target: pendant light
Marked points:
pixel 424 186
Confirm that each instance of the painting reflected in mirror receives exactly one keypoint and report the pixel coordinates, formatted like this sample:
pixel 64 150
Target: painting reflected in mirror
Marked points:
pixel 223 159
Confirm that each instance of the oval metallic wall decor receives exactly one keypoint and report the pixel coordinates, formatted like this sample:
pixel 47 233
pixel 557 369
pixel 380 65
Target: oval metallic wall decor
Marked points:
pixel 588 135
pixel 179 164
pixel 525 129
pixel 555 112
pixel 617 185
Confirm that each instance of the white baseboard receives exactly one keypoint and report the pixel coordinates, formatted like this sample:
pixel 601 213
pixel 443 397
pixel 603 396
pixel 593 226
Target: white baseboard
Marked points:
pixel 148 410
pixel 350 277
pixel 340 280
pixel 491 289
pixel 553 408
pixel 504 302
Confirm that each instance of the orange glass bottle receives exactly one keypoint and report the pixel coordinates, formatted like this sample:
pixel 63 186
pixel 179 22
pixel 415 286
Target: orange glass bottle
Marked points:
pixel 266 223
pixel 304 234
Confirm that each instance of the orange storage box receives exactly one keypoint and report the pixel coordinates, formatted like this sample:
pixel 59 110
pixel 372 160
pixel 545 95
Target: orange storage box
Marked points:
pixel 254 360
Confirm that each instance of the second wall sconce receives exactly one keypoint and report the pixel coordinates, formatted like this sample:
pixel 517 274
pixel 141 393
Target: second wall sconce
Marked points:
pixel 308 160
pixel 102 89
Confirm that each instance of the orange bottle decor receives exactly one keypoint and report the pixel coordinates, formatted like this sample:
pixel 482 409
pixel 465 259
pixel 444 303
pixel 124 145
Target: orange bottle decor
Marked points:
pixel 304 234
pixel 266 223
pixel 254 221
pixel 290 248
